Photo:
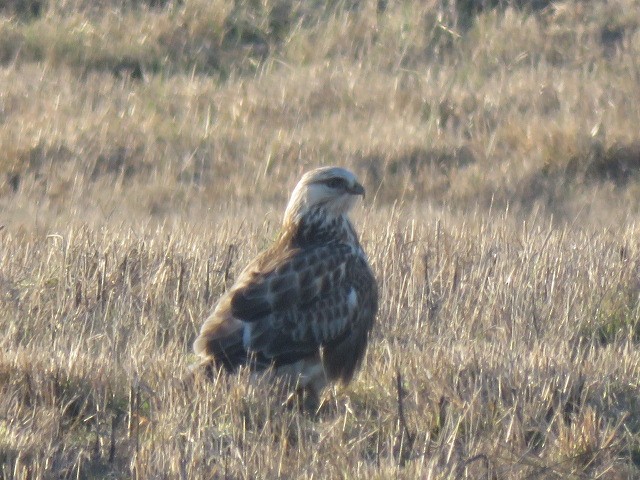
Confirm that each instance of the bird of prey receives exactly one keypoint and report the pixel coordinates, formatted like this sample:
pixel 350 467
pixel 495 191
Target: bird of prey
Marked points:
pixel 303 308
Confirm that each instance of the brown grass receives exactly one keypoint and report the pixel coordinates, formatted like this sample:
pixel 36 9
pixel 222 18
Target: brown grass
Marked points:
pixel 148 149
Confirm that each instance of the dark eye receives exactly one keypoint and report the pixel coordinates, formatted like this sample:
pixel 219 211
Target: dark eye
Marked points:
pixel 335 183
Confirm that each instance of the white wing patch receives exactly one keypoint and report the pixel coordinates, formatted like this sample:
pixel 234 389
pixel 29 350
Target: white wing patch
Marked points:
pixel 246 335
pixel 352 300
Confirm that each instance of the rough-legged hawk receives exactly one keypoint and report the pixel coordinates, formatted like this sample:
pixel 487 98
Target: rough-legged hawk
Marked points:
pixel 305 306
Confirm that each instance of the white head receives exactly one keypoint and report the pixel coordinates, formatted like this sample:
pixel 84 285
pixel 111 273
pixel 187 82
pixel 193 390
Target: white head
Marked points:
pixel 332 188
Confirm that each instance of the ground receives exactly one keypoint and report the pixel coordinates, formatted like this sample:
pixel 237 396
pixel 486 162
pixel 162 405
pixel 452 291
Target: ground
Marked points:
pixel 148 148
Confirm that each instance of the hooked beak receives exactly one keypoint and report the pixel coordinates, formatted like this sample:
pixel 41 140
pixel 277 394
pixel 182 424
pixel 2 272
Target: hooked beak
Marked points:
pixel 357 189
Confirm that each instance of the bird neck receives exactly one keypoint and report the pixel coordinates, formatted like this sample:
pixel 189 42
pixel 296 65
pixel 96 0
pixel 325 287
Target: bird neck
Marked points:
pixel 319 227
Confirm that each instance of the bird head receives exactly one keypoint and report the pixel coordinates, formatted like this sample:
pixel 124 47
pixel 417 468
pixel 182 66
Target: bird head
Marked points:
pixel 332 189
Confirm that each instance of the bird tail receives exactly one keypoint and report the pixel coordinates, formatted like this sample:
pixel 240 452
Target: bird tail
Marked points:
pixel 220 344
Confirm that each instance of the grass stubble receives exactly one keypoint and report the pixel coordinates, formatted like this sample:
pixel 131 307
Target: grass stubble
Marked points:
pixel 143 167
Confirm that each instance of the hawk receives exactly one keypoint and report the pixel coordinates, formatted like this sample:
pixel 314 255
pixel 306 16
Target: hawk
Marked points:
pixel 304 307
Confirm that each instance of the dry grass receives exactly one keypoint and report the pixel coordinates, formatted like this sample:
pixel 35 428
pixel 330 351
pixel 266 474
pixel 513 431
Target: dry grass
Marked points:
pixel 148 148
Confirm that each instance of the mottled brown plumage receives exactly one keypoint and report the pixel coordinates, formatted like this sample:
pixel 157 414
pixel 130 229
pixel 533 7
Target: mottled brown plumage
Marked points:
pixel 306 305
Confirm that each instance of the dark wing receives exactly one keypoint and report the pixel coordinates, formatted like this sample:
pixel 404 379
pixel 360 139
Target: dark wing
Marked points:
pixel 308 299
pixel 296 277
pixel 342 358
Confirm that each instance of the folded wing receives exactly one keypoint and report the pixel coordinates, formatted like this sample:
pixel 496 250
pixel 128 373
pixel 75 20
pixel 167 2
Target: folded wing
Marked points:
pixel 287 307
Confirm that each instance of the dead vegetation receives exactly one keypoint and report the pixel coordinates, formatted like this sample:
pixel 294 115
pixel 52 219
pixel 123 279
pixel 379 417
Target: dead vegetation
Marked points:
pixel 509 352
pixel 148 151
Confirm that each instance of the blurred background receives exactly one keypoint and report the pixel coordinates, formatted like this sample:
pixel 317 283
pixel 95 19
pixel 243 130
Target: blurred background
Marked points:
pixel 131 110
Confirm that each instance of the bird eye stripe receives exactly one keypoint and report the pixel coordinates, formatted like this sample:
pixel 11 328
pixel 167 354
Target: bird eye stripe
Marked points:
pixel 334 182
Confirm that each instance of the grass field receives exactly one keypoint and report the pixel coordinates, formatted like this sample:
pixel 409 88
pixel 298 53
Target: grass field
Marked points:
pixel 147 150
